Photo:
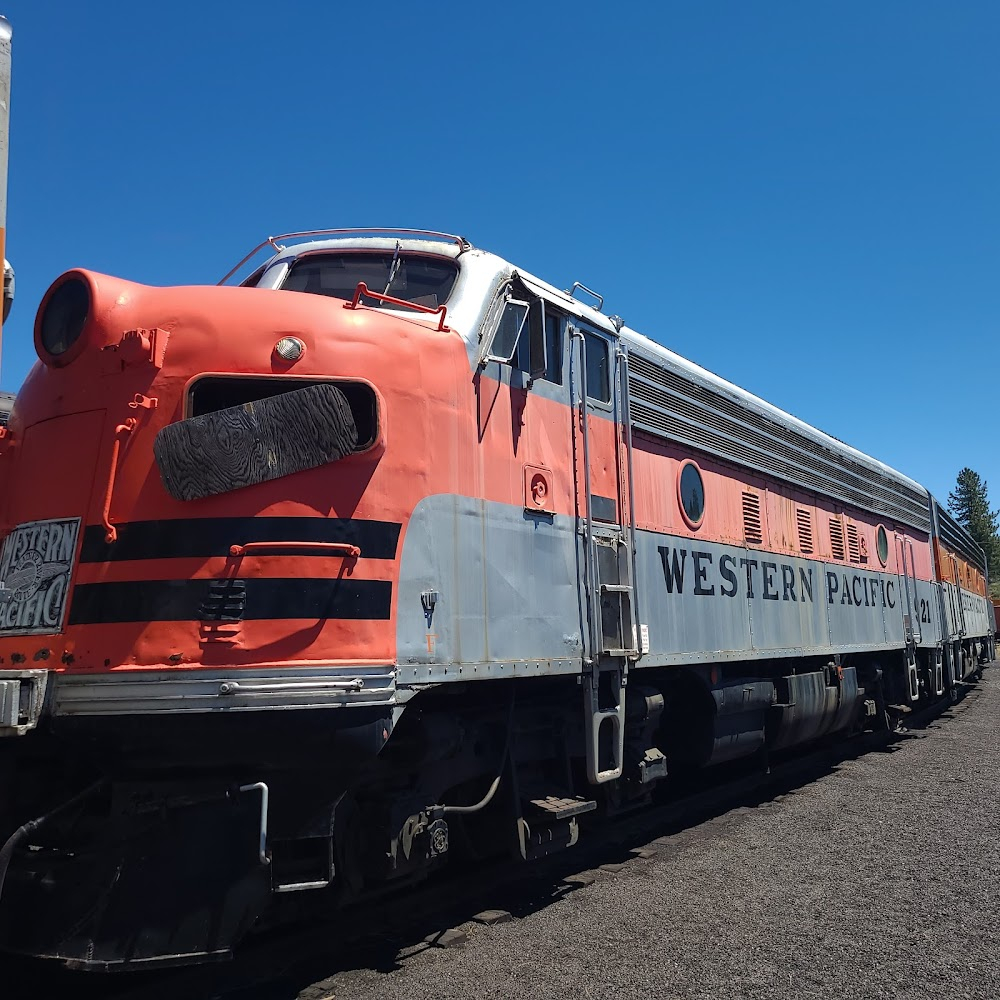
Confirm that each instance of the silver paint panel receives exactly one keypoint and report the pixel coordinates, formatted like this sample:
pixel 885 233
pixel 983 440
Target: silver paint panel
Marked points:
pixel 506 582
pixel 508 603
pixel 155 692
pixel 685 626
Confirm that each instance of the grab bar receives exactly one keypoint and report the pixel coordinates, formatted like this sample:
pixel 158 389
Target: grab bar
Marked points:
pixel 346 549
pixel 363 289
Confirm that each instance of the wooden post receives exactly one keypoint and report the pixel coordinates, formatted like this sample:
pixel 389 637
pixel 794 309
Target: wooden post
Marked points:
pixel 6 33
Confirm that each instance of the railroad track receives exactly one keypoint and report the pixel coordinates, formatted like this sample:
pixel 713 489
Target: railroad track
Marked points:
pixel 300 960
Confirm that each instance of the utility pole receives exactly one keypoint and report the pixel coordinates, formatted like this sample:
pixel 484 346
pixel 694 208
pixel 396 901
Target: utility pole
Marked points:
pixel 6 33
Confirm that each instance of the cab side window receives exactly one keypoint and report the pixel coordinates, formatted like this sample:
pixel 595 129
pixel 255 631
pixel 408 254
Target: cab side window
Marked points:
pixel 527 336
pixel 598 368
pixel 553 348
pixel 532 340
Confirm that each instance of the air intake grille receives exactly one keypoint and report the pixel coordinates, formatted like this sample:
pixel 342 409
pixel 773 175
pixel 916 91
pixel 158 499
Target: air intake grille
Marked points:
pixel 669 402
pixel 225 602
pixel 853 545
pixel 752 530
pixel 836 538
pixel 803 519
pixel 959 540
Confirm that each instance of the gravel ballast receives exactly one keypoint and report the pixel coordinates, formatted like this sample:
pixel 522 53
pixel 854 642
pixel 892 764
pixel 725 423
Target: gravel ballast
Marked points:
pixel 879 879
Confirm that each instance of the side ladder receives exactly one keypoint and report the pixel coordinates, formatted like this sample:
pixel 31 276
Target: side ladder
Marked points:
pixel 608 583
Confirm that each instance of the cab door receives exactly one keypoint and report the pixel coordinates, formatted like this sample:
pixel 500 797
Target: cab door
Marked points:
pixel 960 617
pixel 606 527
pixel 529 606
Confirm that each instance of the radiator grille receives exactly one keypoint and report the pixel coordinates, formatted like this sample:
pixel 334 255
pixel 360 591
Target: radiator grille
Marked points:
pixel 836 538
pixel 668 402
pixel 752 529
pixel 803 519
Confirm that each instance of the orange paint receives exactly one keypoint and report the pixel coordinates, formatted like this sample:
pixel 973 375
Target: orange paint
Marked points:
pixel 443 429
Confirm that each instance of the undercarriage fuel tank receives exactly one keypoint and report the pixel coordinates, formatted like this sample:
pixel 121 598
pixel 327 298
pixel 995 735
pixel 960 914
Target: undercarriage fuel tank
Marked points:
pixel 740 718
pixel 810 706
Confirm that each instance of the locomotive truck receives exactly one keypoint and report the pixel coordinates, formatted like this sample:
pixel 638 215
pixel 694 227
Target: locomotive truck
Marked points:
pixel 394 553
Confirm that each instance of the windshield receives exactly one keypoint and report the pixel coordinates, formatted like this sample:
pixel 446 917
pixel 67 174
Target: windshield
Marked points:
pixel 424 280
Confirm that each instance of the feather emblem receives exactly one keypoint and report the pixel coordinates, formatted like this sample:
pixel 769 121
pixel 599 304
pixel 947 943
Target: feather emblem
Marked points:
pixel 31 573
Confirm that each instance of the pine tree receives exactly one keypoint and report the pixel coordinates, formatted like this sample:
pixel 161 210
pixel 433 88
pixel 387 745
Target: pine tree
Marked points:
pixel 970 506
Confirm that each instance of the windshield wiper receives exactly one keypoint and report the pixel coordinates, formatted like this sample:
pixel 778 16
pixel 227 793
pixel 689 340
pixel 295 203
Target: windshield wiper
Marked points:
pixel 393 269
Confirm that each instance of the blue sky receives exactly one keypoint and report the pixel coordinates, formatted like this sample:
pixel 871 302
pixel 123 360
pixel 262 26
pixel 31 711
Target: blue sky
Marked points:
pixel 801 196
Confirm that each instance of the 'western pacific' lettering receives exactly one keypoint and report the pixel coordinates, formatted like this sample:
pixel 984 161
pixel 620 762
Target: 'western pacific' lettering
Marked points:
pixel 771 580
pixel 729 576
pixel 700 572
pixel 673 573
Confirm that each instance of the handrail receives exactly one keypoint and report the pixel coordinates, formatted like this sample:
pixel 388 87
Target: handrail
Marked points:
pixel 589 291
pixel 962 630
pixel 917 631
pixel 591 570
pixel 260 786
pixel 363 289
pixel 110 531
pixel 626 407
pixel 345 549
pixel 462 243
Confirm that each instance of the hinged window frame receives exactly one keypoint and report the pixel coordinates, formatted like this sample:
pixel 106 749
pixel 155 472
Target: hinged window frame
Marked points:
pixel 537 366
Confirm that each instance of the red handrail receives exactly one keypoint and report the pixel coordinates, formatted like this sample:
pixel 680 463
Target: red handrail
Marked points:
pixel 340 548
pixel 363 289
pixel 110 531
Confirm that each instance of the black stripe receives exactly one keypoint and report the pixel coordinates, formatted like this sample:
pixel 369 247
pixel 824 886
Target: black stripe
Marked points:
pixel 212 536
pixel 183 600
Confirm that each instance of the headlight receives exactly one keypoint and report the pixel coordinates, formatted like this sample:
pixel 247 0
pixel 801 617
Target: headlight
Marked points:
pixel 61 319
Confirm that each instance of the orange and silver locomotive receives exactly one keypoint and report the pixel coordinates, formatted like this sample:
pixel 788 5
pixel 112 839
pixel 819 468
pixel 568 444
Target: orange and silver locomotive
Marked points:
pixel 395 552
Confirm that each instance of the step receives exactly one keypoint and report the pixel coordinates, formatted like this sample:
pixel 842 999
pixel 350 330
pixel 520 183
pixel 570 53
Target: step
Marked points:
pixel 301 886
pixel 554 807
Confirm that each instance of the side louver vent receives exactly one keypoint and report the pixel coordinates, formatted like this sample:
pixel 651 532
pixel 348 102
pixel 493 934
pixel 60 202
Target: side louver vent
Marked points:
pixel 836 538
pixel 669 400
pixel 752 530
pixel 957 538
pixel 803 519
pixel 853 545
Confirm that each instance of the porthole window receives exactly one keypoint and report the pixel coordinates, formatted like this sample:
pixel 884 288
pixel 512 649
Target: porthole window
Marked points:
pixel 882 544
pixel 691 494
